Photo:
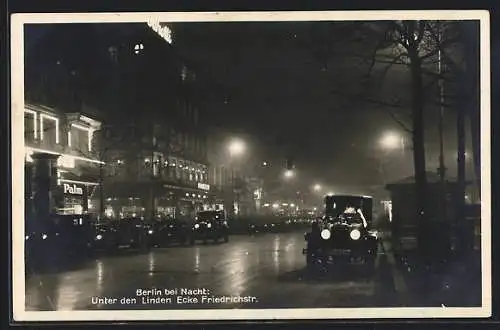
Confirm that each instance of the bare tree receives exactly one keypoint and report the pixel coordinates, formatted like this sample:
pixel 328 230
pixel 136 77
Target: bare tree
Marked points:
pixel 415 47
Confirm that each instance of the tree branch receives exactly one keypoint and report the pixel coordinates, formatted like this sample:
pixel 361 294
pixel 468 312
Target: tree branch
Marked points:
pixel 421 32
pixel 400 122
pixel 444 53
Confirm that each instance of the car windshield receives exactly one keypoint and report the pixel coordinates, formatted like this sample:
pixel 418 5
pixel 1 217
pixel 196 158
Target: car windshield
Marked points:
pixel 350 218
pixel 336 205
pixel 210 215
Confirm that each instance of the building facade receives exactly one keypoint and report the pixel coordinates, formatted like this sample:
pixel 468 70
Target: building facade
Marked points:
pixel 67 137
pixel 150 151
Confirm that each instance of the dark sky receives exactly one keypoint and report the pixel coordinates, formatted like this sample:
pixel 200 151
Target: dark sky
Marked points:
pixel 271 83
pixel 282 91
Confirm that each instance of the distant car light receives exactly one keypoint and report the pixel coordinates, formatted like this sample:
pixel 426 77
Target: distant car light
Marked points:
pixel 196 226
pixel 209 225
pixel 44 236
pixel 225 223
pixel 98 237
pixel 325 234
pixel 150 232
pixel 27 237
pixel 355 234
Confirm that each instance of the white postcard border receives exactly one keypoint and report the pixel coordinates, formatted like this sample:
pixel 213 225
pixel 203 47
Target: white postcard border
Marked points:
pixel 17 143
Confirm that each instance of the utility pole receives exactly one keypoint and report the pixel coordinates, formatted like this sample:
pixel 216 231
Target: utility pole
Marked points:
pixel 442 169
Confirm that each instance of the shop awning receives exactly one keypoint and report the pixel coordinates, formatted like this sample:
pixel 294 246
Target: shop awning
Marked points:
pixel 83 179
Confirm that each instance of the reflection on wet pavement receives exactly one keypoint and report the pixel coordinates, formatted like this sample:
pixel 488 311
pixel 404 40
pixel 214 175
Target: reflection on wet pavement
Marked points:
pixel 268 267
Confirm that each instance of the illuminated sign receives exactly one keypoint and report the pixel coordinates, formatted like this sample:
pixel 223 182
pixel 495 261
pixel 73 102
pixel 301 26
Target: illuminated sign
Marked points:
pixel 72 189
pixel 163 31
pixel 203 186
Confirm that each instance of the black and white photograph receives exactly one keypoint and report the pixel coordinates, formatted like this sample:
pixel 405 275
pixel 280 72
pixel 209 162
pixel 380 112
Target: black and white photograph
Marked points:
pixel 250 165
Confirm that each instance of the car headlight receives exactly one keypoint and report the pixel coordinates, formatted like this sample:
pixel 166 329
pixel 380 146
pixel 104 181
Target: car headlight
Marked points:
pixel 99 237
pixel 150 232
pixel 325 234
pixel 355 234
pixel 209 225
pixel 44 236
pixel 196 226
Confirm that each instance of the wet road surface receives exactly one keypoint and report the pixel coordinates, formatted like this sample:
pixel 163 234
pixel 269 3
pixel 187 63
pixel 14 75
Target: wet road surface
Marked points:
pixel 269 270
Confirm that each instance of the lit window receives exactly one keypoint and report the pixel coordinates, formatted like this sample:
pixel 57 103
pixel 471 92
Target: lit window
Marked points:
pixel 81 138
pixel 49 123
pixel 30 124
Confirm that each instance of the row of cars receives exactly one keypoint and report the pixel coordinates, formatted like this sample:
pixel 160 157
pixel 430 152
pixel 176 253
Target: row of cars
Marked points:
pixel 207 226
pixel 73 237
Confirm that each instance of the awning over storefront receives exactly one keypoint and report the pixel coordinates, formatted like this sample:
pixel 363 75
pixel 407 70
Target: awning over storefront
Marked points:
pixel 83 179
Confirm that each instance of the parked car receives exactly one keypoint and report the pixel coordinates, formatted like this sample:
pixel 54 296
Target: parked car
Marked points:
pixel 210 225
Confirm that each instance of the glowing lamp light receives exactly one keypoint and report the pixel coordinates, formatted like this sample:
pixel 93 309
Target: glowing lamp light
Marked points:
pixel 276 205
pixel 317 187
pixel 390 140
pixel 355 234
pixel 325 234
pixel 236 147
pixel 289 174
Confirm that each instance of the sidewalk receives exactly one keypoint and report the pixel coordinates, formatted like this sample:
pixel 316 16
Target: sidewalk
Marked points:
pixel 454 284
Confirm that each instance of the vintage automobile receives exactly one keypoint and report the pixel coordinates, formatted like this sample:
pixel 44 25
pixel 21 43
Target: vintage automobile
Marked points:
pixel 210 225
pixel 168 231
pixel 343 235
pixel 124 233
pixel 59 239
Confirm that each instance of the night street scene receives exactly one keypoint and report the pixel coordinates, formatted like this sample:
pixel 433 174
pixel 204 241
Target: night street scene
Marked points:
pixel 252 165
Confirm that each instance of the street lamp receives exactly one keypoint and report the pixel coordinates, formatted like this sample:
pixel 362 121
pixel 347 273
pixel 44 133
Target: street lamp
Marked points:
pixel 317 187
pixel 236 147
pixel 391 141
pixel 289 174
